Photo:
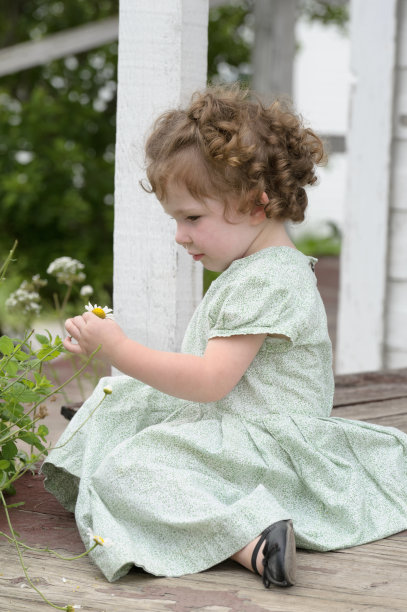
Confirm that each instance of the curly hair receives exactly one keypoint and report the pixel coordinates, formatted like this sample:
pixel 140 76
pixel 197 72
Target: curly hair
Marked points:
pixel 228 146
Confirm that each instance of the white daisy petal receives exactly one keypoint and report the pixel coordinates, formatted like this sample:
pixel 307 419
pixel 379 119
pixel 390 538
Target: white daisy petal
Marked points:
pixel 103 313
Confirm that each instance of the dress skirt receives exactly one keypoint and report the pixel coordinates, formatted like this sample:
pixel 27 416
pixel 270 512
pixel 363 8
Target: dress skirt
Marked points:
pixel 179 488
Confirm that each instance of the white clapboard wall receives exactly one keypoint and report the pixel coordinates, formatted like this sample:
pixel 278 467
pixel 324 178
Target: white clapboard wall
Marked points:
pixel 372 319
pixel 395 354
pixel 162 60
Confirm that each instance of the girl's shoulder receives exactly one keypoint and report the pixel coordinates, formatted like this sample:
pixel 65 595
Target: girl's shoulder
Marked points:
pixel 271 266
pixel 272 291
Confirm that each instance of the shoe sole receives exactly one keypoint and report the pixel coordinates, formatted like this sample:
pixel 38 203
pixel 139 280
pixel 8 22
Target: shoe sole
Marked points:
pixel 290 562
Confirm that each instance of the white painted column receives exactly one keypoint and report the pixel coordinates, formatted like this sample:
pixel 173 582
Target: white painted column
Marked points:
pixel 396 315
pixel 162 60
pixel 274 47
pixel 363 297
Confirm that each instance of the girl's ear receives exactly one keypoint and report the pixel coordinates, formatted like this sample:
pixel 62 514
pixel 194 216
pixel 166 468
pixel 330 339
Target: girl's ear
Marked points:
pixel 258 214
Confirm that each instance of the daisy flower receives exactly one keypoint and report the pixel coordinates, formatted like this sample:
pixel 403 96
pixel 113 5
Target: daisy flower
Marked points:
pixel 98 539
pixel 102 313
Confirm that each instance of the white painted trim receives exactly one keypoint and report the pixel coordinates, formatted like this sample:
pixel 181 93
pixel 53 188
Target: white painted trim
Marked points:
pixel 362 303
pixel 54 46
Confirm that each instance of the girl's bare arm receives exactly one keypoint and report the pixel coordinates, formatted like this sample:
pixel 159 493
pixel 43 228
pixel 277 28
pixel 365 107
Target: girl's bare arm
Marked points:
pixel 199 379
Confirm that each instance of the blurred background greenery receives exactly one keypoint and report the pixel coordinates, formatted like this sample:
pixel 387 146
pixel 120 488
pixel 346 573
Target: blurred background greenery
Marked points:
pixel 58 136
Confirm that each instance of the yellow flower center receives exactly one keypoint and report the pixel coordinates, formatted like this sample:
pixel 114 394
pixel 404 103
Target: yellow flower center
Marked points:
pixel 98 540
pixel 99 312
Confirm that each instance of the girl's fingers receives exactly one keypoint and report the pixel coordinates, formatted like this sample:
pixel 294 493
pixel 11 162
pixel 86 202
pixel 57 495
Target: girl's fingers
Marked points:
pixel 71 347
pixel 73 327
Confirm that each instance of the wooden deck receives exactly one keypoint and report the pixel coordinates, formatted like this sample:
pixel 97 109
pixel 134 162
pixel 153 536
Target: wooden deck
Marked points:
pixel 369 577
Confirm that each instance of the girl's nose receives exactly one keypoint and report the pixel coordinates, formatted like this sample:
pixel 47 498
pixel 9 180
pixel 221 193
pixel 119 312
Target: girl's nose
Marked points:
pixel 181 236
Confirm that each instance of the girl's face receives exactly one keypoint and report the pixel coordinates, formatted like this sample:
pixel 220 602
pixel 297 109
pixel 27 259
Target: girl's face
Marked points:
pixel 203 230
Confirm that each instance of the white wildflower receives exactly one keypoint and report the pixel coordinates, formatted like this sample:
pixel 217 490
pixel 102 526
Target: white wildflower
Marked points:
pixel 39 282
pixel 102 313
pixel 67 270
pixel 98 539
pixel 25 300
pixel 86 290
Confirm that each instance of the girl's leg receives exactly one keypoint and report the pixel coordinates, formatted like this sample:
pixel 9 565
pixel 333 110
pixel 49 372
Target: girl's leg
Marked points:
pixel 244 556
pixel 272 555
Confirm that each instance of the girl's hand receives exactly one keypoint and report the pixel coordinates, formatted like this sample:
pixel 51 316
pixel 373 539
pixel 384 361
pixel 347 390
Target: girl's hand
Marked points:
pixel 90 331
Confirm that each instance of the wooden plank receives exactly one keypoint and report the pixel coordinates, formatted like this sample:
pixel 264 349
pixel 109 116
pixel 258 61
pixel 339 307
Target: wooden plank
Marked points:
pixel 366 577
pixel 371 411
pixel 369 577
pixel 370 386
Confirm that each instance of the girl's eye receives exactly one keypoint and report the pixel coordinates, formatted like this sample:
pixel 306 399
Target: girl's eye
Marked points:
pixel 193 218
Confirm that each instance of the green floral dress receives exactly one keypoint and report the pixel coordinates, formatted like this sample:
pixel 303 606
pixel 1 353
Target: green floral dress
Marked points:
pixel 180 486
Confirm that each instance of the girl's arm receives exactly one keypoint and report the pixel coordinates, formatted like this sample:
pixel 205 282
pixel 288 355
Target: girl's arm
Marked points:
pixel 199 379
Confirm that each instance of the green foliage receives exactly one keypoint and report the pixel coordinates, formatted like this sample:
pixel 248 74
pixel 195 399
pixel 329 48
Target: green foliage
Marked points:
pixel 326 12
pixel 231 34
pixel 57 146
pixel 229 45
pixel 23 387
pixel 317 246
pixel 58 131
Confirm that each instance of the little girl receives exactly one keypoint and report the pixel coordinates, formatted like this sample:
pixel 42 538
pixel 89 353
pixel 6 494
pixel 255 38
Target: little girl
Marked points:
pixel 227 449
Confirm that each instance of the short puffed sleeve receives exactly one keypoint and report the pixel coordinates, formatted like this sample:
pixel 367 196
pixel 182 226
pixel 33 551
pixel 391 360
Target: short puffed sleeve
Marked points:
pixel 278 301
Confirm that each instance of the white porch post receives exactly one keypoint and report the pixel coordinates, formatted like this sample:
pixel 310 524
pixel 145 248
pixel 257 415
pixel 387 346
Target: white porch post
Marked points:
pixel 162 60
pixel 364 299
pixel 274 47
pixel 395 355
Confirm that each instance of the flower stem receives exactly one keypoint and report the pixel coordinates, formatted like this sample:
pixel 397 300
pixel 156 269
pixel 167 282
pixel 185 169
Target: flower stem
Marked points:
pixel 54 391
pixel 16 544
pixel 5 265
pixel 49 550
pixel 80 426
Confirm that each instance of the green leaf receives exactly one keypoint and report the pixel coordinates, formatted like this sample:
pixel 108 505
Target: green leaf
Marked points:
pixel 9 450
pixel 3 478
pixel 16 505
pixel 6 345
pixel 4 464
pixel 45 355
pixel 41 339
pixel 26 396
pixel 42 381
pixel 30 438
pixel 23 456
pixel 42 431
pixel 11 368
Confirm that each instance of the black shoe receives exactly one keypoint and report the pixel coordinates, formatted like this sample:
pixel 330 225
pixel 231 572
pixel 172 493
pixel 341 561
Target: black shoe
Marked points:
pixel 279 554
